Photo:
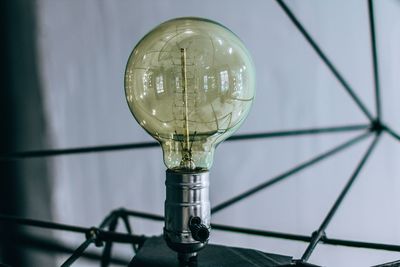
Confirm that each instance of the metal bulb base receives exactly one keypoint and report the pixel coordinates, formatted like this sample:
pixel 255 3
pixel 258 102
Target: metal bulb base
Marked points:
pixel 187 212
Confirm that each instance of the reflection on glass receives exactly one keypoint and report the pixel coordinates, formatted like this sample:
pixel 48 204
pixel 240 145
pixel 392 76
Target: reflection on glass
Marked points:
pixel 205 83
pixel 159 84
pixel 224 80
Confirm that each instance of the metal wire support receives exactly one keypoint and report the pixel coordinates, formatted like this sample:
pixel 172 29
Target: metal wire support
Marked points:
pixel 78 252
pixel 106 256
pixel 325 59
pixel 280 235
pixel 98 237
pixel 113 219
pixel 240 137
pixel 374 60
pixel 392 133
pixel 39 243
pixel 93 235
pixel 42 224
pixel 320 233
pixel 289 173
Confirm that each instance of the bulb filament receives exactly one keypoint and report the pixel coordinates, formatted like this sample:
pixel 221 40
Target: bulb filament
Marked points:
pixel 187 161
pixel 185 95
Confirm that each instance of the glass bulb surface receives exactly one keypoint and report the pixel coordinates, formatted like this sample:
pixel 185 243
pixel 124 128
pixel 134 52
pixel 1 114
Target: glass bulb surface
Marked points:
pixel 190 84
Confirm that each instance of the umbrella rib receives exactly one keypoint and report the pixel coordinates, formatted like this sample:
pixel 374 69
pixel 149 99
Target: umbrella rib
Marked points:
pixel 325 59
pixel 375 59
pixel 319 235
pixel 143 145
pixel 289 173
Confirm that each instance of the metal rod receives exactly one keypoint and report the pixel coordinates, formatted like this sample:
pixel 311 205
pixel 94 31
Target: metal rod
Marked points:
pixel 109 219
pixel 320 233
pixel 289 173
pixel 229 228
pixel 120 237
pixel 77 253
pixel 103 235
pixel 325 59
pixel 350 243
pixel 79 150
pixel 128 228
pixel 55 246
pixel 375 59
pixel 309 131
pixel 360 244
pixel 388 264
pixel 257 232
pixel 106 256
pixel 144 215
pixel 391 132
pixel 42 224
pixel 304 238
pixel 109 148
pixel 280 235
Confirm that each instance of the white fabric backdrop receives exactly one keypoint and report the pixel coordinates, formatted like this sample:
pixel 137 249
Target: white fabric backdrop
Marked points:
pixel 84 46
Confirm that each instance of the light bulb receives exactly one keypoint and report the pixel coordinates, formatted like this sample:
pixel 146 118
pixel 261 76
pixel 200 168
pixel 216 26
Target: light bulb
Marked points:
pixel 190 84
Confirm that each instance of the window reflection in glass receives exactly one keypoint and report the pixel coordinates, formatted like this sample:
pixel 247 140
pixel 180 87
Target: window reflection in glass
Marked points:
pixel 224 80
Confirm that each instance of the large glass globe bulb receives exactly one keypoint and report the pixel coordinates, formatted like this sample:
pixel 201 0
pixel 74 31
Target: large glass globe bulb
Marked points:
pixel 190 84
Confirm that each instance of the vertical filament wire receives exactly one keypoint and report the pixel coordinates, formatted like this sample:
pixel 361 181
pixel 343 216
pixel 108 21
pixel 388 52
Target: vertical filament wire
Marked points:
pixel 185 95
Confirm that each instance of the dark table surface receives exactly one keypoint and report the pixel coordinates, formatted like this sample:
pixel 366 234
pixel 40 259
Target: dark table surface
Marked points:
pixel 155 253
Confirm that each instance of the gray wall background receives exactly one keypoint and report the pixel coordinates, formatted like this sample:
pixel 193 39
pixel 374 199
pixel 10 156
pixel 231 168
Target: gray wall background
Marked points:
pixel 83 47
